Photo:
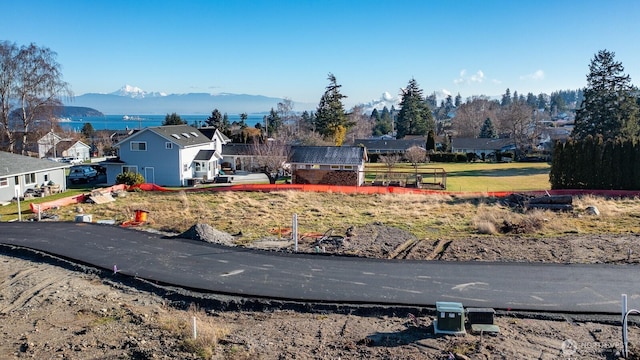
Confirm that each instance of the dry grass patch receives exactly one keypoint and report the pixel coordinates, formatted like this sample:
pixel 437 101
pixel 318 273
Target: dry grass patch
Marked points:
pixel 438 216
pixel 208 333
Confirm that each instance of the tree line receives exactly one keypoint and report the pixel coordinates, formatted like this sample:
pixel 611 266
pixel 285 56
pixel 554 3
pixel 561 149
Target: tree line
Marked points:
pixel 603 151
pixel 31 86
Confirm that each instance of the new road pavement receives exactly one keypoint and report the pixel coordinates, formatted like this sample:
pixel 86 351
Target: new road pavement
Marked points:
pixel 319 278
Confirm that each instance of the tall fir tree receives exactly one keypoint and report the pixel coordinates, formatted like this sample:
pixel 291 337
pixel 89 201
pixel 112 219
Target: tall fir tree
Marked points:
pixel 215 120
pixel 415 117
pixel 331 119
pixel 609 106
pixel 506 98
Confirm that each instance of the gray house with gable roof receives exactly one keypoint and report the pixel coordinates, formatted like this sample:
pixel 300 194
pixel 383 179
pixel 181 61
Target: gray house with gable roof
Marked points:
pixel 20 173
pixel 327 165
pixel 173 155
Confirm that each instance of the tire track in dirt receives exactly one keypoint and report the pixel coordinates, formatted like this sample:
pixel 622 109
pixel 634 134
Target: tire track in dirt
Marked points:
pixel 18 292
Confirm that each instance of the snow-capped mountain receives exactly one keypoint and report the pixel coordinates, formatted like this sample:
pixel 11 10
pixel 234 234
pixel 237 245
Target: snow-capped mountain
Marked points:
pixel 135 92
pixel 133 100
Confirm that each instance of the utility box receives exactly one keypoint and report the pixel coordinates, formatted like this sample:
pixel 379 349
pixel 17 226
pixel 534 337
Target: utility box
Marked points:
pixel 481 321
pixel 480 316
pixel 450 318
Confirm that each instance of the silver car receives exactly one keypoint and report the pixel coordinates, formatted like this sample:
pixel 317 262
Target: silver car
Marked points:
pixel 82 174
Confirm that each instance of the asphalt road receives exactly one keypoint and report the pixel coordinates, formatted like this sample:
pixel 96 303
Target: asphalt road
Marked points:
pixel 306 277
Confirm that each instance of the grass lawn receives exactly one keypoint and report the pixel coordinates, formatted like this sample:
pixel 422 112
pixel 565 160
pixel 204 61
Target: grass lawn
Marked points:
pixel 466 177
pixel 485 177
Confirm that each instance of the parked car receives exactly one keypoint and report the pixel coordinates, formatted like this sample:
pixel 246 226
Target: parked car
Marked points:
pixel 71 160
pixel 82 174
pixel 99 168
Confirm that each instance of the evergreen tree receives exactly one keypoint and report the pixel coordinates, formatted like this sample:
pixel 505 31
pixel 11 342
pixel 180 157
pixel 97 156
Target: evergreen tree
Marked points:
pixel 506 98
pixel 609 107
pixel 431 141
pixel 307 121
pixel 458 101
pixel 273 122
pixel 383 125
pixel 375 115
pixel 331 119
pixel 432 101
pixel 87 131
pixel 243 121
pixel 215 120
pixel 173 119
pixel 226 125
pixel 532 101
pixel 487 131
pixel 415 117
pixel 542 102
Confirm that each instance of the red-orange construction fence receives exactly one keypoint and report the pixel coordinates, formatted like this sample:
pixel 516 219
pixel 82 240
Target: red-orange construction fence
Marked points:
pixel 35 208
pixel 386 190
pixel 76 199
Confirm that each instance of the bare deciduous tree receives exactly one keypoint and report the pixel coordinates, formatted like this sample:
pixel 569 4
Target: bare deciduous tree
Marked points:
pixel 519 120
pixel 362 125
pixel 390 160
pixel 471 115
pixel 415 155
pixel 32 82
pixel 271 158
pixel 8 70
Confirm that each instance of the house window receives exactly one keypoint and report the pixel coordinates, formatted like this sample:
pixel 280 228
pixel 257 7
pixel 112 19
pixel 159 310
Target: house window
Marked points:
pixel 315 166
pixel 131 169
pixel 334 167
pixel 200 166
pixel 4 182
pixel 46 178
pixel 30 178
pixel 185 167
pixel 168 145
pixel 348 167
pixel 138 146
pixel 301 166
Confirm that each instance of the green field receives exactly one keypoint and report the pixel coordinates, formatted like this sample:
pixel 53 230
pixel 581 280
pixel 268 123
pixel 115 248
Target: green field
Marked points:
pixel 485 177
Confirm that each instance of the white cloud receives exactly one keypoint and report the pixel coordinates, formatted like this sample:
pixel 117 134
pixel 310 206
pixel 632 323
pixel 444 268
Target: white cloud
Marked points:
pixel 537 75
pixel 461 78
pixel 478 77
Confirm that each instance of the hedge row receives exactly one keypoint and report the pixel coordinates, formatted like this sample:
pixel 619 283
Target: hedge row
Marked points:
pixel 594 163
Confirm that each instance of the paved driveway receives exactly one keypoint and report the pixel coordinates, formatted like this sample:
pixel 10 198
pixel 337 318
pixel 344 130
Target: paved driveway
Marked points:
pixel 304 277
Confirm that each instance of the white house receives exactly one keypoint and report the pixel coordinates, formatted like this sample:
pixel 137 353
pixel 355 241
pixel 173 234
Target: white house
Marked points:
pixel 54 146
pixel 173 155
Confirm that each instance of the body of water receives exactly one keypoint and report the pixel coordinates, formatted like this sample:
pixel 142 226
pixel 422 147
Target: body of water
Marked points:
pixel 123 122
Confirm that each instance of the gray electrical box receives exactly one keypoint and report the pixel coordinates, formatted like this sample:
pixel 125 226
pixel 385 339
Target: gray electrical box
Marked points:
pixel 449 318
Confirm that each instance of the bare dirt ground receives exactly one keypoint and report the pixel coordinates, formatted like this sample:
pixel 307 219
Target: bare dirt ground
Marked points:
pixel 49 311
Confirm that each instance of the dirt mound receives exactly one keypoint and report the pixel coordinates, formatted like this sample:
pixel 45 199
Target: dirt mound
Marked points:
pixel 207 233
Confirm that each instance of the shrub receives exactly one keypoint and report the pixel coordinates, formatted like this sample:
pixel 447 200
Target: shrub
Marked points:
pixel 129 178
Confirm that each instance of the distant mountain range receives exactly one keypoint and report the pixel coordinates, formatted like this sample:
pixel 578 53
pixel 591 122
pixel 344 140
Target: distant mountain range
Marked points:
pixel 133 100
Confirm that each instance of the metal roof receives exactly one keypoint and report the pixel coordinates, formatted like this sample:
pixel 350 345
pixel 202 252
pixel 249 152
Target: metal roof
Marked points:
pixel 204 155
pixel 480 143
pixel 334 155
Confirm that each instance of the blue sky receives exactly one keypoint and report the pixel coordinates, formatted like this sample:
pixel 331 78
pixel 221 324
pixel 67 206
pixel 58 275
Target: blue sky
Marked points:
pixel 285 48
